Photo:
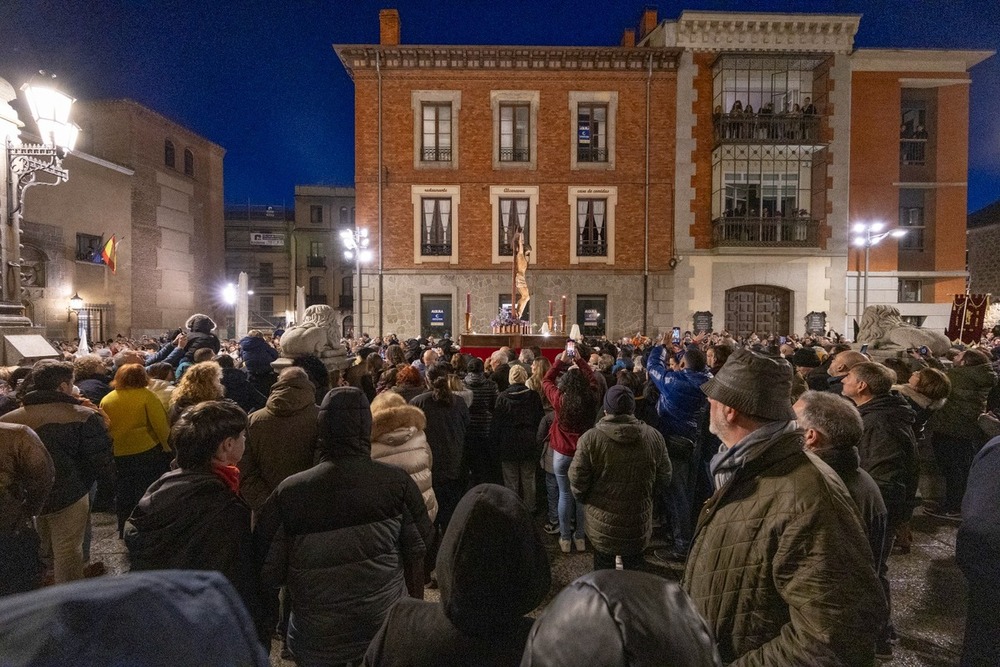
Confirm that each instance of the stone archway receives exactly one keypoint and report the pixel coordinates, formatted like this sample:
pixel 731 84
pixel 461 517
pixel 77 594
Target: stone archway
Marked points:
pixel 761 309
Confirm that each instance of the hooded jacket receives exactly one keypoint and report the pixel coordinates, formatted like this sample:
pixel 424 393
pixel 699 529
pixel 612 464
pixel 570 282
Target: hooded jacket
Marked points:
pixel 281 439
pixel 257 355
pixel 888 451
pixel 616 466
pixel 922 406
pixel 200 334
pixel 493 569
pixel 515 422
pixel 624 619
pixel 398 439
pixel 239 390
pixel 446 431
pixel 339 535
pixel 484 399
pixel 190 520
pixel 970 385
pixel 681 398
pixel 76 439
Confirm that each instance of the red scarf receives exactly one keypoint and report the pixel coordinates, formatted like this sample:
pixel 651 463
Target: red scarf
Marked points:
pixel 230 475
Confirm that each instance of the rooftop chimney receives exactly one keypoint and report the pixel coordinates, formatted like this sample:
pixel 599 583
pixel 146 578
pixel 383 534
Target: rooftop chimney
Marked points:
pixel 628 38
pixel 388 23
pixel 647 22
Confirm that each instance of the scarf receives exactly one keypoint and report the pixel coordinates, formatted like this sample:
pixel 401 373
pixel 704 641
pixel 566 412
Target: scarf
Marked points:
pixel 729 460
pixel 230 475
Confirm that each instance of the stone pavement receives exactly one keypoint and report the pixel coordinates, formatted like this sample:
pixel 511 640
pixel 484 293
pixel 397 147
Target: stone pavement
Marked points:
pixel 928 590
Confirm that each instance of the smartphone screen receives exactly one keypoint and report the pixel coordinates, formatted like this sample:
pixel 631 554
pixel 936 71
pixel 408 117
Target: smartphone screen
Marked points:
pixel 924 351
pixel 675 335
pixel 571 349
pixel 782 339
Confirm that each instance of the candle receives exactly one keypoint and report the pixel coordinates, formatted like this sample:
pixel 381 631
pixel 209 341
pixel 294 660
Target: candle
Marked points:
pixel 564 310
pixel 550 307
pixel 468 302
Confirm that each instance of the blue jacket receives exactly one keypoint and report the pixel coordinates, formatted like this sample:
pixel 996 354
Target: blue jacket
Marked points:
pixel 257 355
pixel 680 399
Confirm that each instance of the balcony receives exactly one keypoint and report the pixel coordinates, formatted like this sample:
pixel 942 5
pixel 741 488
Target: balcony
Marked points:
pixel 591 154
pixel 585 248
pixel 913 152
pixel 314 262
pixel 436 155
pixel 733 232
pixel 346 302
pixel 515 155
pixel 435 249
pixel 315 300
pixel 766 128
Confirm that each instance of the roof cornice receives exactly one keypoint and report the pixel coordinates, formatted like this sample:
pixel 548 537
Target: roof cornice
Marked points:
pixel 744 31
pixel 916 60
pixel 357 57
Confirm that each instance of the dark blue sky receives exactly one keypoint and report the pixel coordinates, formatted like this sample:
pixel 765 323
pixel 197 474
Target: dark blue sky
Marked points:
pixel 259 77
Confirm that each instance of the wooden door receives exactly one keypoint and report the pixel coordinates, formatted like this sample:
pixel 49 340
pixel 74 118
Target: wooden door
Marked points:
pixel 761 309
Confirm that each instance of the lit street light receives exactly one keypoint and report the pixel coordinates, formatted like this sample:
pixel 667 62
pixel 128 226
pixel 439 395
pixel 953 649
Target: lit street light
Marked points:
pixel 865 236
pixel 356 242
pixel 23 163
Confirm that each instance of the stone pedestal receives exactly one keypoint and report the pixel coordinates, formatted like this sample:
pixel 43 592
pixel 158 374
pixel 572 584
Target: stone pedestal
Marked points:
pixel 334 360
pixel 24 345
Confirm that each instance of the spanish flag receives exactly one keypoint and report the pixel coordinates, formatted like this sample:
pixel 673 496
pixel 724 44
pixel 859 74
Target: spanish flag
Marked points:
pixel 109 254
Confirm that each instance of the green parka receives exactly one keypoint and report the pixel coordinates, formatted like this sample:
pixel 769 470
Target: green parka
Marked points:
pixel 780 566
pixel 616 466
pixel 970 385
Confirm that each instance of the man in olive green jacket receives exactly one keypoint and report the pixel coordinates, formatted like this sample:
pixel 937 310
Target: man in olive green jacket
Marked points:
pixel 780 567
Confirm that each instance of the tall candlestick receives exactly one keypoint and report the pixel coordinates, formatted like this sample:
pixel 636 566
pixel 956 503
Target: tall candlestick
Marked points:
pixel 550 307
pixel 468 302
pixel 563 322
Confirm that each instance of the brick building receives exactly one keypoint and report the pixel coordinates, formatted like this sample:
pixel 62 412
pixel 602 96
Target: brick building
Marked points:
pixel 650 199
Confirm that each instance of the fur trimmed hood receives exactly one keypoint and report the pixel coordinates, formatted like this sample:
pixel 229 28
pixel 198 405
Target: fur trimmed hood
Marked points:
pixel 917 398
pixel 395 417
pixel 200 323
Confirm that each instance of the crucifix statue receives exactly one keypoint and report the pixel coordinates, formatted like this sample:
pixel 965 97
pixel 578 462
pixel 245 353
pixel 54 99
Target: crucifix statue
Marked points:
pixel 519 294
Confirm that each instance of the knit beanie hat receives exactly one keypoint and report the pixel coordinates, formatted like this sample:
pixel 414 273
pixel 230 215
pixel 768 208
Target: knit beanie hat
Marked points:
pixel 755 384
pixel 805 357
pixel 619 401
pixel 518 375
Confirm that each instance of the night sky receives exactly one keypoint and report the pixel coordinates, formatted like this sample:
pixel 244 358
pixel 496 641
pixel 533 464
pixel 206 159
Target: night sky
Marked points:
pixel 260 77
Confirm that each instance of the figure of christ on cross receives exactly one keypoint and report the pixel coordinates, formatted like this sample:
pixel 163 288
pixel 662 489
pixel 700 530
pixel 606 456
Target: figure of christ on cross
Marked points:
pixel 519 294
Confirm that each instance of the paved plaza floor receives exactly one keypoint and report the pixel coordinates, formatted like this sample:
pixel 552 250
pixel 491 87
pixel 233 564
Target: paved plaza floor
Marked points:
pixel 928 590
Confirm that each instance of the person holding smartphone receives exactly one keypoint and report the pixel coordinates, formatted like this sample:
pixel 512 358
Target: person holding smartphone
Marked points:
pixel 572 391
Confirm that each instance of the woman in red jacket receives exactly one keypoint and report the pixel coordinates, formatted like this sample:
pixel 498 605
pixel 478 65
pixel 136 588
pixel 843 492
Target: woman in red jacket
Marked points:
pixel 572 395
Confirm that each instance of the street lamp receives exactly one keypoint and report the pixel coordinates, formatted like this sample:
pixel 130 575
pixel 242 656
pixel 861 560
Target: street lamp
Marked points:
pixel 356 242
pixel 24 162
pixel 865 236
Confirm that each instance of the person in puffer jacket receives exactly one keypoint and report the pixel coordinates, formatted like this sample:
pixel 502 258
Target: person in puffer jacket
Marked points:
pixel 200 334
pixel 346 537
pixel 617 465
pixel 620 619
pixel 515 422
pixel 493 569
pixel 398 439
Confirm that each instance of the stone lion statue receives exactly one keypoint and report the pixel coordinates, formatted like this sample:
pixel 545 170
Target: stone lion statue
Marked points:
pixel 317 334
pixel 882 327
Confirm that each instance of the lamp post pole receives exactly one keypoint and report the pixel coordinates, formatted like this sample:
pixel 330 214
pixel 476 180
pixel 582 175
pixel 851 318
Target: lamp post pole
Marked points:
pixel 356 243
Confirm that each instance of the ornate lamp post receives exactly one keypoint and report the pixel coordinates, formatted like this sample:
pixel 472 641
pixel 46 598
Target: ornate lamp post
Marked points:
pixel 23 164
pixel 356 242
pixel 865 236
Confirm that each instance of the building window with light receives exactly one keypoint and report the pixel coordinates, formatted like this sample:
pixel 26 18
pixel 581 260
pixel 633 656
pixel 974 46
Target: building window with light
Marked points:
pixel 88 248
pixel 591 227
pixel 515 132
pixel 435 226
pixel 436 133
pixel 169 155
pixel 592 130
pixel 513 214
pixel 316 259
pixel 910 291
pixel 911 218
pixel 188 162
pixel 435 128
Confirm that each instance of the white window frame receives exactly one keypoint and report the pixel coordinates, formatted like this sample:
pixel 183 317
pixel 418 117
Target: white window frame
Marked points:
pixel 609 98
pixel 530 97
pixel 417 194
pixel 608 192
pixel 529 192
pixel 417 99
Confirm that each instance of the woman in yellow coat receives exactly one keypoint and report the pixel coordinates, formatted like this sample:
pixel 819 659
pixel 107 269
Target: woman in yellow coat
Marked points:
pixel 139 432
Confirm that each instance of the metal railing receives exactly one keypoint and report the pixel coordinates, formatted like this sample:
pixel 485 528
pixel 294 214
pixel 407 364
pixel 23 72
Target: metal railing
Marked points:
pixel 436 155
pixel 913 151
pixel 435 249
pixel 742 129
pixel 515 155
pixel 591 154
pixel 315 262
pixel 586 248
pixel 801 232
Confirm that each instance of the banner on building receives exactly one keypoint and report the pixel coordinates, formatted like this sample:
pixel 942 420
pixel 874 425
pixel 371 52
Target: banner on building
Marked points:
pixel 264 238
pixel 968 314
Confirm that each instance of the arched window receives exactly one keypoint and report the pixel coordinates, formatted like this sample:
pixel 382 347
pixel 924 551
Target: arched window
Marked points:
pixel 188 162
pixel 168 153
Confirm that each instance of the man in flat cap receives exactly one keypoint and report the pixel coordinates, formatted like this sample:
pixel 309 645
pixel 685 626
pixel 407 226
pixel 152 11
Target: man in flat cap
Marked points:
pixel 780 567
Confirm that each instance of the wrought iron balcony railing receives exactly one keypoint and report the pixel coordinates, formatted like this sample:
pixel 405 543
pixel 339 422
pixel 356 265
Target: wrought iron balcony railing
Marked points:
pixel 913 152
pixel 435 249
pixel 799 232
pixel 315 262
pixel 515 155
pixel 436 155
pixel 586 248
pixel 591 154
pixel 767 128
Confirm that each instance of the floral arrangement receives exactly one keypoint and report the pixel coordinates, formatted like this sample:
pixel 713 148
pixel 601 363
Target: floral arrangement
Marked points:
pixel 505 322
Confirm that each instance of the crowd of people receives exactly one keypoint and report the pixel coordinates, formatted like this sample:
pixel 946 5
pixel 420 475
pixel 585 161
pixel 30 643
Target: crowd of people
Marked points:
pixel 791 122
pixel 781 472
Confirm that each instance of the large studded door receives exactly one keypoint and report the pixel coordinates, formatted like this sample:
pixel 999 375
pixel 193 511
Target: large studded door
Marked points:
pixel 760 309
